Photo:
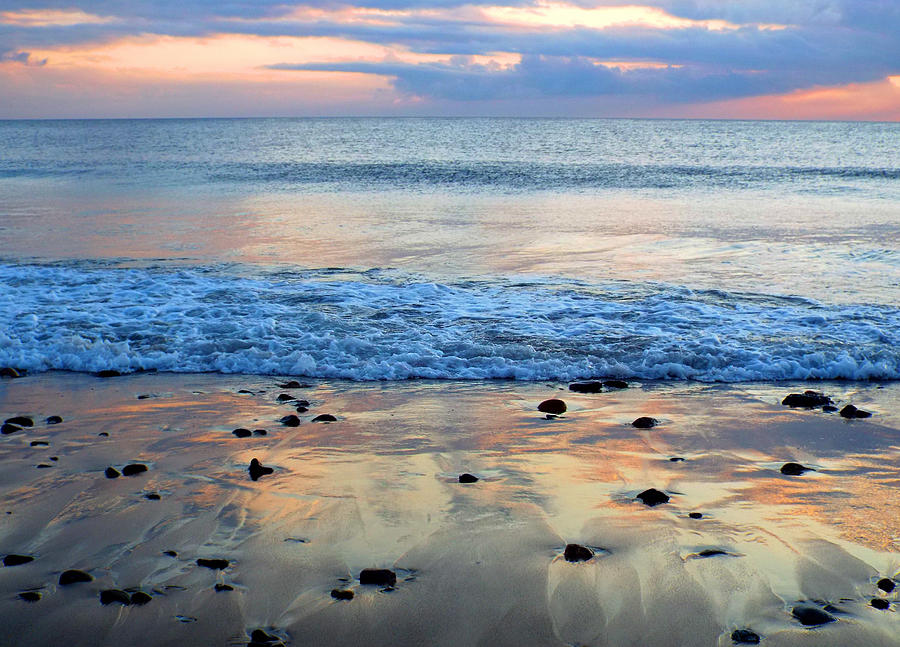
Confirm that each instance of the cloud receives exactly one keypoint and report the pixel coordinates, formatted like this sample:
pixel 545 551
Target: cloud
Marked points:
pixel 21 57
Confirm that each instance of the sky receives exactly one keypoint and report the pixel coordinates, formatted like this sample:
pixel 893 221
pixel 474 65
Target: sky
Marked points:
pixel 732 59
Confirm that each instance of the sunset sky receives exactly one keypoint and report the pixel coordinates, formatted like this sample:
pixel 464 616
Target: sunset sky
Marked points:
pixel 769 59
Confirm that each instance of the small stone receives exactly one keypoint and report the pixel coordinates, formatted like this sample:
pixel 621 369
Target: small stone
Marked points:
pixel 215 563
pixel 342 594
pixel 143 396
pixel 221 588
pixel 585 387
pixel 325 417
pixel 711 552
pixel 885 584
pixel 645 422
pixel 292 384
pixel 811 616
pixel 615 384
pixel 302 409
pixel 103 434
pixel 257 469
pixel 653 497
pixel 74 576
pixel 290 421
pixel 829 408
pixel 468 478
pixel 17 560
pixel 554 405
pixel 7 429
pixel 111 473
pixel 20 421
pixel 140 598
pixel 261 637
pixel 807 399
pixel 152 496
pixel 8 371
pixel 852 412
pixel 43 466
pixel 170 553
pixel 54 458
pixel 240 432
pixel 134 469
pixel 53 420
pixel 744 637
pixel 39 443
pixel 285 397
pixel 110 596
pixel 245 392
pixel 107 373
pixel 880 604
pixel 378 577
pixel 260 432
pixel 696 515
pixel 30 596
pixel 676 459
pixel 577 553
pixel 795 469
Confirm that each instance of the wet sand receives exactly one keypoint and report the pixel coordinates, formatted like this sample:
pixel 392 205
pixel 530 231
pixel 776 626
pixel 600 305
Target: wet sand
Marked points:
pixel 476 563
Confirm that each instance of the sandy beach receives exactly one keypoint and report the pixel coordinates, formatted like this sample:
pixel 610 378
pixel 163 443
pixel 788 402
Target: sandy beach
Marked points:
pixel 476 563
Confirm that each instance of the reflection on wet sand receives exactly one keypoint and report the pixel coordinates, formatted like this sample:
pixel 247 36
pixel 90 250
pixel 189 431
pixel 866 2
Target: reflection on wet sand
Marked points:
pixel 477 562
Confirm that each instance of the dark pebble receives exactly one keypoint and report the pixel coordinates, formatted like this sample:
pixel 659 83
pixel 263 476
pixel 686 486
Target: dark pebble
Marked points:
pixel 140 598
pixel 103 433
pixel 585 387
pixel 20 421
pixel 17 560
pixel 324 417
pixel 54 458
pixel 880 604
pixel 811 616
pixel 577 553
pixel 829 408
pixel 53 420
pixel 112 473
pixel 378 577
pixel 257 469
pixel 645 422
pixel 30 596
pixel 807 399
pixel 852 412
pixel 170 553
pixel 885 584
pixel 696 515
pixel 152 496
pixel 240 432
pixel 221 588
pixel 108 373
pixel 554 406
pixel 653 497
pixel 290 421
pixel 134 469
pixel 744 637
pixel 39 443
pixel 302 409
pixel 74 577
pixel 260 432
pixel 293 384
pixel 8 371
pixel 676 459
pixel 262 638
pixel 245 392
pixel 143 396
pixel 215 564
pixel 110 596
pixel 711 552
pixel 615 384
pixel 795 469
pixel 468 478
pixel 43 466
pixel 7 429
pixel 342 594
pixel 284 397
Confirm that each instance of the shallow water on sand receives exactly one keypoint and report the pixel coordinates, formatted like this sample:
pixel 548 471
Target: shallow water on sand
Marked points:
pixel 476 563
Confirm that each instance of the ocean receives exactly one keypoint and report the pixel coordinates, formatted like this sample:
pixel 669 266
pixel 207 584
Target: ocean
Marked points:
pixel 472 249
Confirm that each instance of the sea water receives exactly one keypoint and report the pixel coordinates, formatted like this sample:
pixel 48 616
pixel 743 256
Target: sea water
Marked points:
pixel 375 249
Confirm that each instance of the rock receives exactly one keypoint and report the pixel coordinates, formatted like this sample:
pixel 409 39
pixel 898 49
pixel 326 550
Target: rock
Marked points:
pixel 324 417
pixel 74 576
pixel 140 598
pixel 585 387
pixel 134 469
pixel 795 469
pixel 9 372
pixel 20 421
pixel 170 553
pixel 880 604
pixel 221 588
pixel 143 396
pixel 30 596
pixel 852 412
pixel 108 373
pixel 302 409
pixel 285 397
pixel 17 560
pixel 7 429
pixel 554 406
pixel 257 469
pixel 39 443
pixel 615 384
pixel 342 594
pixel 807 399
pixel 711 552
pixel 110 596
pixel 811 616
pixel 744 637
pixel 577 553
pixel 378 577
pixel 216 564
pixel 290 421
pixel 42 466
pixel 829 408
pixel 240 432
pixel 653 497
pixel 695 515
pixel 152 496
pixel 645 422
pixel 53 420
pixel 111 473
pixel 258 638
pixel 468 478
pixel 260 432
pixel 886 585
pixel 676 459
pixel 293 384
pixel 245 392
pixel 103 434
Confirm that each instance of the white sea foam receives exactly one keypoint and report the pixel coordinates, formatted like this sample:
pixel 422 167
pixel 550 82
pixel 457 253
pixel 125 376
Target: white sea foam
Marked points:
pixel 380 325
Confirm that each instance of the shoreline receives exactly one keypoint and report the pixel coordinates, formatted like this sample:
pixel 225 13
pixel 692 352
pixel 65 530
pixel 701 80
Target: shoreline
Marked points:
pixel 476 563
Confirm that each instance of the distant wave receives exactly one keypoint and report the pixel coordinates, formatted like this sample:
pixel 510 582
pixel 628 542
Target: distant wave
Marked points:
pixel 380 325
